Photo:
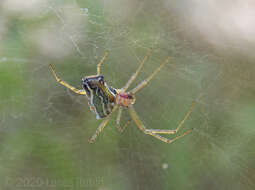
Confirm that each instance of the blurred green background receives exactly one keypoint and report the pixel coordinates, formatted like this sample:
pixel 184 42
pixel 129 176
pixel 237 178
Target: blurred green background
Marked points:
pixel 44 128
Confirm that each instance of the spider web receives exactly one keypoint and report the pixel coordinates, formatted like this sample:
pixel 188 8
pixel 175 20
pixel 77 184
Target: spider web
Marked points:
pixel 45 127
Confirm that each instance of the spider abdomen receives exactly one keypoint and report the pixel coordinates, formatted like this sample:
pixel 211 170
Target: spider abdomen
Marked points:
pixel 124 99
pixel 100 95
pixel 100 103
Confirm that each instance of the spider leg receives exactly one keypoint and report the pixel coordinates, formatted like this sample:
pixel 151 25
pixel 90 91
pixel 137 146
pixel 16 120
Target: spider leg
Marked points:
pixel 146 81
pixel 121 129
pixel 132 78
pixel 153 132
pixel 166 140
pixel 81 92
pixel 101 127
pixel 100 62
pixel 162 131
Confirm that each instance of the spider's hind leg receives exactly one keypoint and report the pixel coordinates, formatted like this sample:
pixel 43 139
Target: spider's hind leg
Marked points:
pixel 101 126
pixel 100 62
pixel 77 91
pixel 99 130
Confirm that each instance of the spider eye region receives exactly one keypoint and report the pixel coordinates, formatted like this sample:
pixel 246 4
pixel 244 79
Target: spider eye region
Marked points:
pixel 124 99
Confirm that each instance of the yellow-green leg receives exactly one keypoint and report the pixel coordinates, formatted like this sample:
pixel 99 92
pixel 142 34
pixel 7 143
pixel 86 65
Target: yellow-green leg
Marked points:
pixel 133 77
pixel 146 81
pixel 121 129
pixel 77 91
pixel 155 132
pixel 163 131
pixel 100 62
pixel 101 126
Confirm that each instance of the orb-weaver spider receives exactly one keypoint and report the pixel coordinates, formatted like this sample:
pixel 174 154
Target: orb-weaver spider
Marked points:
pixel 103 100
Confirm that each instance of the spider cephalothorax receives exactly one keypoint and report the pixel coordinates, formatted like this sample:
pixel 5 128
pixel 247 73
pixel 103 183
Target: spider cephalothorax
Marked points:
pixel 104 100
pixel 124 99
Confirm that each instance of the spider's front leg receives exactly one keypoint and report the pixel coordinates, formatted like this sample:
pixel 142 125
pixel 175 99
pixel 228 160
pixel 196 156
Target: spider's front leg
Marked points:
pixel 155 132
pixel 146 81
pixel 138 70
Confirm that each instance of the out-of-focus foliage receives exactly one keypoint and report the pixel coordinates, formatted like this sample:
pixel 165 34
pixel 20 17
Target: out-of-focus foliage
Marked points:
pixel 44 128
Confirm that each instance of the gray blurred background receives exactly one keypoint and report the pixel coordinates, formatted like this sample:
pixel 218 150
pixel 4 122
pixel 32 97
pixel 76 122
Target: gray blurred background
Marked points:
pixel 44 127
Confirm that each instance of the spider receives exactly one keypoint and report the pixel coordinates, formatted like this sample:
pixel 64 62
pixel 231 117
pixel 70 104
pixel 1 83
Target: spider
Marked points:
pixel 104 100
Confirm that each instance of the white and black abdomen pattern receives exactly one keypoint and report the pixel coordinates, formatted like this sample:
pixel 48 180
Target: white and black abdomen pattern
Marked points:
pixel 99 102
